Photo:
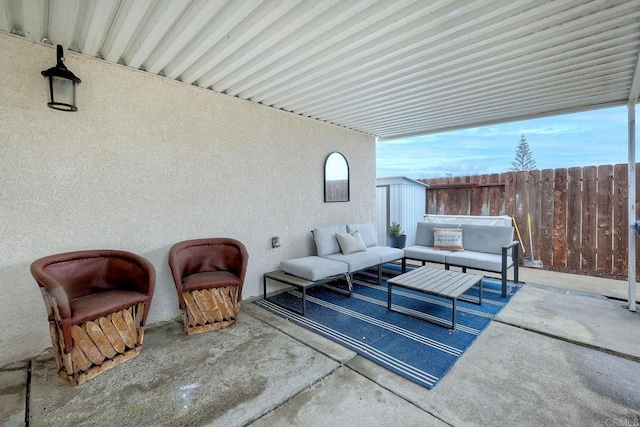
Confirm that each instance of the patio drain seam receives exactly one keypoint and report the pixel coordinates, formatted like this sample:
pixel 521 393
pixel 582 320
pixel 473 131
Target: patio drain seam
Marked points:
pixel 302 340
pixel 293 395
pixel 339 365
pixel 390 390
pixel 575 342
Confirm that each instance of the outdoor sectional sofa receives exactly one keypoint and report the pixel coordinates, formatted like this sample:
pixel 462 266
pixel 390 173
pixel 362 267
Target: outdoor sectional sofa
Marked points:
pixel 484 247
pixel 335 260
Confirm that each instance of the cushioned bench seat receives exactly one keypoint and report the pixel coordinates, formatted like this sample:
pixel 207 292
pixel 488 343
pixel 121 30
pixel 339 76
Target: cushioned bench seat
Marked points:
pixel 483 247
pixel 374 256
pixel 386 253
pixel 426 253
pixel 314 267
pixel 478 261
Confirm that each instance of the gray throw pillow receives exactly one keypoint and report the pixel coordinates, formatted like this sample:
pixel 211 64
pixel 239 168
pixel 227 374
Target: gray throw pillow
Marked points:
pixel 350 242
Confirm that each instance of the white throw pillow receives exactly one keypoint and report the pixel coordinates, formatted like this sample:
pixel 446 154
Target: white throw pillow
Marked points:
pixel 350 242
pixel 449 239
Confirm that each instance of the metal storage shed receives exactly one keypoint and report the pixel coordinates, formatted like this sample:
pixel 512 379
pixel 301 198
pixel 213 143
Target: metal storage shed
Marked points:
pixel 402 200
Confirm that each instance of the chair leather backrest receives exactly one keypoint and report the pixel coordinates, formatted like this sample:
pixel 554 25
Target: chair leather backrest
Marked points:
pixel 207 255
pixel 90 273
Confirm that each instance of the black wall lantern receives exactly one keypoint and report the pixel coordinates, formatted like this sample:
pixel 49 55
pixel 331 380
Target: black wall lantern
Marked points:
pixel 62 86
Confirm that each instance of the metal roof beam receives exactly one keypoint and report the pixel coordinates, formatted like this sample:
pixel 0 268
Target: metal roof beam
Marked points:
pixel 281 29
pixel 162 17
pixel 562 75
pixel 421 47
pixel 424 117
pixel 62 21
pixel 126 23
pixel 524 97
pixel 189 64
pixel 562 101
pixel 485 50
pixel 329 15
pixel 240 38
pixel 492 121
pixel 345 45
pixel 96 25
pixel 382 82
pixel 360 94
pixel 6 23
pixel 337 28
pixel 35 14
pixel 634 92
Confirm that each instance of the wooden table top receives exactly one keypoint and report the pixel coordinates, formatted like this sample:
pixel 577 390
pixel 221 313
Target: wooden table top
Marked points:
pixel 437 281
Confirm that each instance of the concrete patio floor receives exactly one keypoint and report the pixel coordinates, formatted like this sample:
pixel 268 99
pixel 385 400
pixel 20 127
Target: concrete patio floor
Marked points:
pixel 560 353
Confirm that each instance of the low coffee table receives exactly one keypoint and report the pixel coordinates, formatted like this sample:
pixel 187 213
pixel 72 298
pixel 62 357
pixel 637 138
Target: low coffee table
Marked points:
pixel 435 281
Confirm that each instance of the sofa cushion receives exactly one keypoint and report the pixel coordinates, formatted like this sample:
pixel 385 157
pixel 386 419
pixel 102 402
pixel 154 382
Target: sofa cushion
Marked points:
pixel 367 232
pixel 424 232
pixel 313 267
pixel 486 238
pixel 425 253
pixel 358 260
pixel 350 242
pixel 325 238
pixel 478 260
pixel 386 253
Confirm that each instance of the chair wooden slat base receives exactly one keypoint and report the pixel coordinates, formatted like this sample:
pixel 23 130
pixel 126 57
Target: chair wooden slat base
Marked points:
pixel 210 309
pixel 98 345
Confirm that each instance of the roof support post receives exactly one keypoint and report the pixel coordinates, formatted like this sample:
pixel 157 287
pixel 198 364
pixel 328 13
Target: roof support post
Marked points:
pixel 631 107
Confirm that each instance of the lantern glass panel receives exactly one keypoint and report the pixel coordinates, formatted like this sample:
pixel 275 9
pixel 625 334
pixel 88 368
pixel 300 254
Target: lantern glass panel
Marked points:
pixel 64 92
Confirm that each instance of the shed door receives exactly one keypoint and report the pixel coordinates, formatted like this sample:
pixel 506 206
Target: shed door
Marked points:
pixel 382 209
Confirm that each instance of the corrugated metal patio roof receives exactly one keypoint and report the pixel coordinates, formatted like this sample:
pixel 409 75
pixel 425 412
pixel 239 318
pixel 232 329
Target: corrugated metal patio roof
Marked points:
pixel 389 68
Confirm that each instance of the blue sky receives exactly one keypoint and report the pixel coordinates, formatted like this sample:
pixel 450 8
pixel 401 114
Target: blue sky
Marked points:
pixel 591 138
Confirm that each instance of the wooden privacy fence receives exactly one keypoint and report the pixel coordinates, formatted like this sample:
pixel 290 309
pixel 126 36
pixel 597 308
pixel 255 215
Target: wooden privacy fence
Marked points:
pixel 579 217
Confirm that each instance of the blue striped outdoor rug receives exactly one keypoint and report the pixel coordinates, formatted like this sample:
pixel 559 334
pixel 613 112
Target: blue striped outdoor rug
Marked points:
pixel 415 349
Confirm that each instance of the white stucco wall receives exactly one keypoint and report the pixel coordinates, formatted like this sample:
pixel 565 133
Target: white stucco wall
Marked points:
pixel 147 162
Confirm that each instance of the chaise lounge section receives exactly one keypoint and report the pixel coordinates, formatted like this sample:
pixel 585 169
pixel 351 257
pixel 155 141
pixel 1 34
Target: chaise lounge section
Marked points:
pixel 342 250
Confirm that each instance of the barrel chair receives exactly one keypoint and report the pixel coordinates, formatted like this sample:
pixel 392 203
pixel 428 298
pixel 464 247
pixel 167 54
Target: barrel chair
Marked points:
pixel 208 274
pixel 97 303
